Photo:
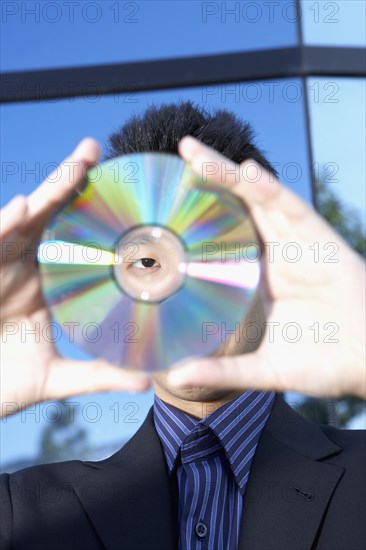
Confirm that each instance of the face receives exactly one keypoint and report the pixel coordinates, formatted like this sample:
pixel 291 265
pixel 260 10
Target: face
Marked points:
pixel 192 393
pixel 149 268
pixel 204 394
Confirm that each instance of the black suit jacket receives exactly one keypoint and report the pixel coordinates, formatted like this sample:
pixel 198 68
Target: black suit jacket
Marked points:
pixel 306 491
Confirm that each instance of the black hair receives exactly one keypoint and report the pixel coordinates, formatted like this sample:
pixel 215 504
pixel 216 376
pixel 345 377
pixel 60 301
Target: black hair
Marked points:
pixel 159 129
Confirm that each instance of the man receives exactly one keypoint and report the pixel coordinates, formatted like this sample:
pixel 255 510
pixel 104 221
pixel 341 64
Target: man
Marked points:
pixel 215 465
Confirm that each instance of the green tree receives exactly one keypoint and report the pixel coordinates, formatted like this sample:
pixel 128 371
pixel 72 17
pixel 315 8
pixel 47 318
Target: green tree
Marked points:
pixel 345 220
pixel 348 223
pixel 63 438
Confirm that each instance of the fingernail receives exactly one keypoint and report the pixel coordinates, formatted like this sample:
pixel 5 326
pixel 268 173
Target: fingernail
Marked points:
pixel 85 150
pixel 181 370
pixel 188 147
pixel 81 148
pixel 177 378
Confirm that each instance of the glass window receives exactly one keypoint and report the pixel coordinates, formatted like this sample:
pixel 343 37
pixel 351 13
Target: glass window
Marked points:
pixel 35 137
pixel 58 34
pixel 274 108
pixel 337 113
pixel 340 23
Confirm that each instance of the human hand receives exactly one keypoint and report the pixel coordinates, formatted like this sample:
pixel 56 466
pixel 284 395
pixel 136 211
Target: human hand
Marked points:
pixel 31 368
pixel 324 299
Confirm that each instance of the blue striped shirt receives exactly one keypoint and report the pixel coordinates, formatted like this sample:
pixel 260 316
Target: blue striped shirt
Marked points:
pixel 212 459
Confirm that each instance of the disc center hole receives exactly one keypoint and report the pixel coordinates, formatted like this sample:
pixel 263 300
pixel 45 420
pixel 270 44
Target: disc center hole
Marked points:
pixel 148 263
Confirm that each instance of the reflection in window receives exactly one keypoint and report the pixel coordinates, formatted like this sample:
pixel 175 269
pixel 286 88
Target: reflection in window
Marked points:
pixel 274 108
pixel 340 23
pixel 33 147
pixel 119 31
pixel 337 113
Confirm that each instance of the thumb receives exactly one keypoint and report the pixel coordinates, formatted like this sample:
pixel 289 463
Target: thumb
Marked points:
pixel 230 372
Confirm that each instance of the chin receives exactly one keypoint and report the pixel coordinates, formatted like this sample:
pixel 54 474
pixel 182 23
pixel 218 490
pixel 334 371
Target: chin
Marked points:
pixel 190 393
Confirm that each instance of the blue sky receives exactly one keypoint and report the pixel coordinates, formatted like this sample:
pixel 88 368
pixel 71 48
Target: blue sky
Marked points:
pixel 36 135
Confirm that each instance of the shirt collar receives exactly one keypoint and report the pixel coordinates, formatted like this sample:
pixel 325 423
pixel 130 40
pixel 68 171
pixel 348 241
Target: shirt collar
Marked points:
pixel 237 424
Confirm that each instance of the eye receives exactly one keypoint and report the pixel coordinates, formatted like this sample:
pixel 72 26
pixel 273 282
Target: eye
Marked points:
pixel 146 263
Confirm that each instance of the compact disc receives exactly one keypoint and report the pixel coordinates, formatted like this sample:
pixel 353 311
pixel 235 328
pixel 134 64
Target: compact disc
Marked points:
pixel 149 264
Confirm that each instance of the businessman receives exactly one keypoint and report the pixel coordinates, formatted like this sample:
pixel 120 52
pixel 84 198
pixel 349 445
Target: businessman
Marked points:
pixel 221 462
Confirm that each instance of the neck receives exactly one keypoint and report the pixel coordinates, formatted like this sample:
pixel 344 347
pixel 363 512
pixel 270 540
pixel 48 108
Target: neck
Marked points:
pixel 198 408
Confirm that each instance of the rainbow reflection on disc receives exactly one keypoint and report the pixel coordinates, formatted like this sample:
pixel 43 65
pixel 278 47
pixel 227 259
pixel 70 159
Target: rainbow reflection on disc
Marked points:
pixel 148 264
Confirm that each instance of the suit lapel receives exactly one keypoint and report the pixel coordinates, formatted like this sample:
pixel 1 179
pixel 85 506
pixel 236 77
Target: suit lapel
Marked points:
pixel 131 502
pixel 129 498
pixel 289 486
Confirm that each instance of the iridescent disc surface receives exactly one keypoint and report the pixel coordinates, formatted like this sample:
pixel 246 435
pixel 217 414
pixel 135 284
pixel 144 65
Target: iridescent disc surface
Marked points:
pixel 148 264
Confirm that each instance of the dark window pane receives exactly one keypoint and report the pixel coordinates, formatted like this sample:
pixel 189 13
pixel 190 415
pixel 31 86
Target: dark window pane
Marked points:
pixel 58 34
pixel 35 137
pixel 275 108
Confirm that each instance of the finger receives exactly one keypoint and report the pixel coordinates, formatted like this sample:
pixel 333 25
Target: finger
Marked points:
pixel 13 215
pixel 68 377
pixel 274 208
pixel 249 181
pixel 252 371
pixel 234 372
pixel 58 186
